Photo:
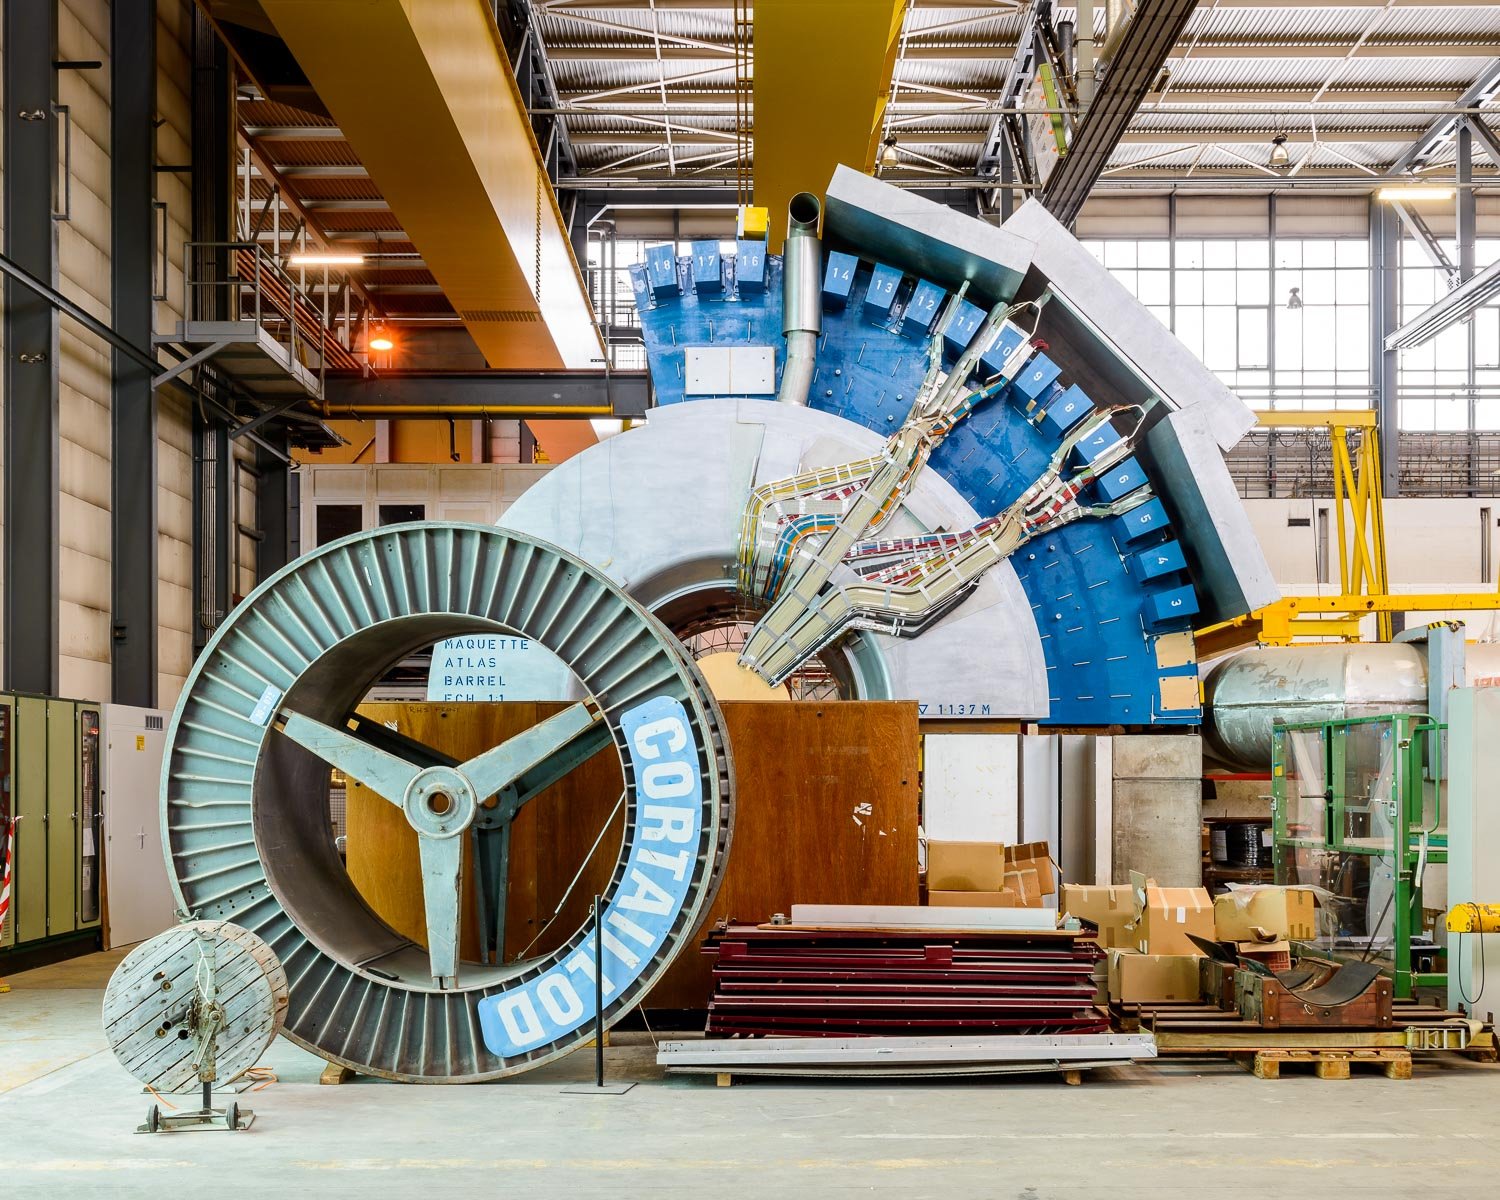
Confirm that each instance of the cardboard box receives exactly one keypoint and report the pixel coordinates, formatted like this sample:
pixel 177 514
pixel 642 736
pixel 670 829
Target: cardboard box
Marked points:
pixel 1036 856
pixel 1276 956
pixel 1137 978
pixel 1110 909
pixel 1168 915
pixel 965 866
pixel 1283 912
pixel 1026 886
pixel 973 899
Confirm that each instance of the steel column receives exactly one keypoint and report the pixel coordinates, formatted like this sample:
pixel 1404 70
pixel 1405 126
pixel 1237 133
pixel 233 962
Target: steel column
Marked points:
pixel 1384 317
pixel 213 172
pixel 133 514
pixel 31 350
pixel 273 508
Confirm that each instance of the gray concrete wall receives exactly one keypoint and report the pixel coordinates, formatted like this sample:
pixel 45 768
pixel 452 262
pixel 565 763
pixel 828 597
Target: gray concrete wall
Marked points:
pixel 1158 810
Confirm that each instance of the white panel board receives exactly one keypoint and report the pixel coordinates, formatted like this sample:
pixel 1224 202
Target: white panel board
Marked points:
pixel 970 787
pixel 140 903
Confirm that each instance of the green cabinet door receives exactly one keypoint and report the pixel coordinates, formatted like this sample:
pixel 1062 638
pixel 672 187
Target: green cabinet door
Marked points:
pixel 62 817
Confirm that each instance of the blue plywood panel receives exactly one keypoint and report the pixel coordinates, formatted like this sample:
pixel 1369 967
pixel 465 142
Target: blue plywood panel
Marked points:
pixel 881 293
pixel 961 327
pixel 838 279
pixel 708 278
pixel 921 309
pixel 1172 607
pixel 1120 480
pixel 1158 561
pixel 750 266
pixel 661 271
pixel 1064 411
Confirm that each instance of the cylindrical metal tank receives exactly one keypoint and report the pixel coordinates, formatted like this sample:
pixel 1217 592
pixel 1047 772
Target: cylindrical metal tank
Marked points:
pixel 1244 695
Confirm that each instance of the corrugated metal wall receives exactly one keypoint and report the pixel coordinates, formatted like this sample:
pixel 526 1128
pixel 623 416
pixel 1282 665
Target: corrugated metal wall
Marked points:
pixel 84 368
pixel 174 463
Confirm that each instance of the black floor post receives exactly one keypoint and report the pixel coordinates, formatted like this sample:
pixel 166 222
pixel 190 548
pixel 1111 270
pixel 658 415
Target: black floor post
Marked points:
pixel 598 991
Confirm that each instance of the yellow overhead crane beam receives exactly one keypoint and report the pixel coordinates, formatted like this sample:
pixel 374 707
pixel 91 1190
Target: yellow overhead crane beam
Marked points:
pixel 822 79
pixel 1364 587
pixel 424 93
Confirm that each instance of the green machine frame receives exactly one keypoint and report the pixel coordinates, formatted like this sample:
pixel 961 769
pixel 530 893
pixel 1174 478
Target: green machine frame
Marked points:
pixel 1357 808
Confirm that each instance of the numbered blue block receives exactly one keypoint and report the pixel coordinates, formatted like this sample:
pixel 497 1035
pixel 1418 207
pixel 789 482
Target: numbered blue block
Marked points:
pixel 1166 608
pixel 838 280
pixel 1143 520
pixel 921 309
pixel 1096 443
pixel 1121 479
pixel 708 273
pixel 962 327
pixel 661 271
pixel 1033 380
pixel 992 361
pixel 880 293
pixel 1158 561
pixel 750 266
pixel 1065 411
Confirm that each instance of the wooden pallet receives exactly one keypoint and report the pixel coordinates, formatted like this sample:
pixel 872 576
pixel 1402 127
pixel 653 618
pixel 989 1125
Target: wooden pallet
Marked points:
pixel 1327 1064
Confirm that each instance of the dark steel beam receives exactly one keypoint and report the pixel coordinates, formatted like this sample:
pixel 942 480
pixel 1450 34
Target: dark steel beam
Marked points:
pixel 1144 47
pixel 273 509
pixel 31 350
pixel 213 168
pixel 527 395
pixel 133 513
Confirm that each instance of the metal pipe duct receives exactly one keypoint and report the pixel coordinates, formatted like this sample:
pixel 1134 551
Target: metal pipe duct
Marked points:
pixel 1244 696
pixel 801 310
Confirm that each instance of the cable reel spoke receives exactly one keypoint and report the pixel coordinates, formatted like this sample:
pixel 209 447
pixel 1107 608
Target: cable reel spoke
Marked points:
pixel 382 772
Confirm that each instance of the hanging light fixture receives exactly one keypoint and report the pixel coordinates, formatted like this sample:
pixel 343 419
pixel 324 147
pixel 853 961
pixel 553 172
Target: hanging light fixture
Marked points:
pixel 380 337
pixel 889 157
pixel 1281 157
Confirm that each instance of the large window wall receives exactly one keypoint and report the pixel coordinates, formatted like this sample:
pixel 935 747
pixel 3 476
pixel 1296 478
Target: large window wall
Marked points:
pixel 1285 320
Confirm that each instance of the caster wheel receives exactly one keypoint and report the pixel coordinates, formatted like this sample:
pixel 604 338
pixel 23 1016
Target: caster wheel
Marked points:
pixel 232 1116
pixel 153 1119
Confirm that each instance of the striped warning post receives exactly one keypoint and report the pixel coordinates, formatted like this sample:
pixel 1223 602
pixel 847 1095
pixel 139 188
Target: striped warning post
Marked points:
pixel 10 851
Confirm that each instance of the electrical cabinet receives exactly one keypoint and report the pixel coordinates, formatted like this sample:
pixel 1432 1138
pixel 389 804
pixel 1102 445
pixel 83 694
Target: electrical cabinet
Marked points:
pixel 141 903
pixel 50 785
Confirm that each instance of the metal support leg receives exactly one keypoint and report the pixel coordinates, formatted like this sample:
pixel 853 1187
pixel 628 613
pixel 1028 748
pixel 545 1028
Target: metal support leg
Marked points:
pixel 31 350
pixel 1384 317
pixel 133 477
pixel 273 507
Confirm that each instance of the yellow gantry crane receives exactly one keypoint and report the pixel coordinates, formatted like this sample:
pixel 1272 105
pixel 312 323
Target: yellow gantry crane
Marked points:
pixel 1364 587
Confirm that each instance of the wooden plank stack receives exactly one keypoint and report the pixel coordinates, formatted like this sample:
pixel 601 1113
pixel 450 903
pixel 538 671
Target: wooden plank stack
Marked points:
pixel 792 981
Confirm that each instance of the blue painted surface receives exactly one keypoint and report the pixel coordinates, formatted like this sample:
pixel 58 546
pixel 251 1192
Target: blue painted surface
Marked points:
pixel 922 309
pixel 1164 559
pixel 962 327
pixel 1095 606
pixel 661 270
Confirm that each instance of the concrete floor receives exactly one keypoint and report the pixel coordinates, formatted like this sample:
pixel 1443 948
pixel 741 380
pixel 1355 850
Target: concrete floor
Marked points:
pixel 1202 1130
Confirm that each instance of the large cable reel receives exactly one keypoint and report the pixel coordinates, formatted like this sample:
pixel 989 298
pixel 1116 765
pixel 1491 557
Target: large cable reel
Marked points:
pixel 266 712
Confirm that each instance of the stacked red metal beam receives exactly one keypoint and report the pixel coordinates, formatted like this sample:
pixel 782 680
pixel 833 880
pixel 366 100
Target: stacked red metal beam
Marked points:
pixel 781 980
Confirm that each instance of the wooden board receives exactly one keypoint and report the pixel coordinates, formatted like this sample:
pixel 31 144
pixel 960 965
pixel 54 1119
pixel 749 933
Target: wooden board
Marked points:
pixel 804 773
pixel 826 813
